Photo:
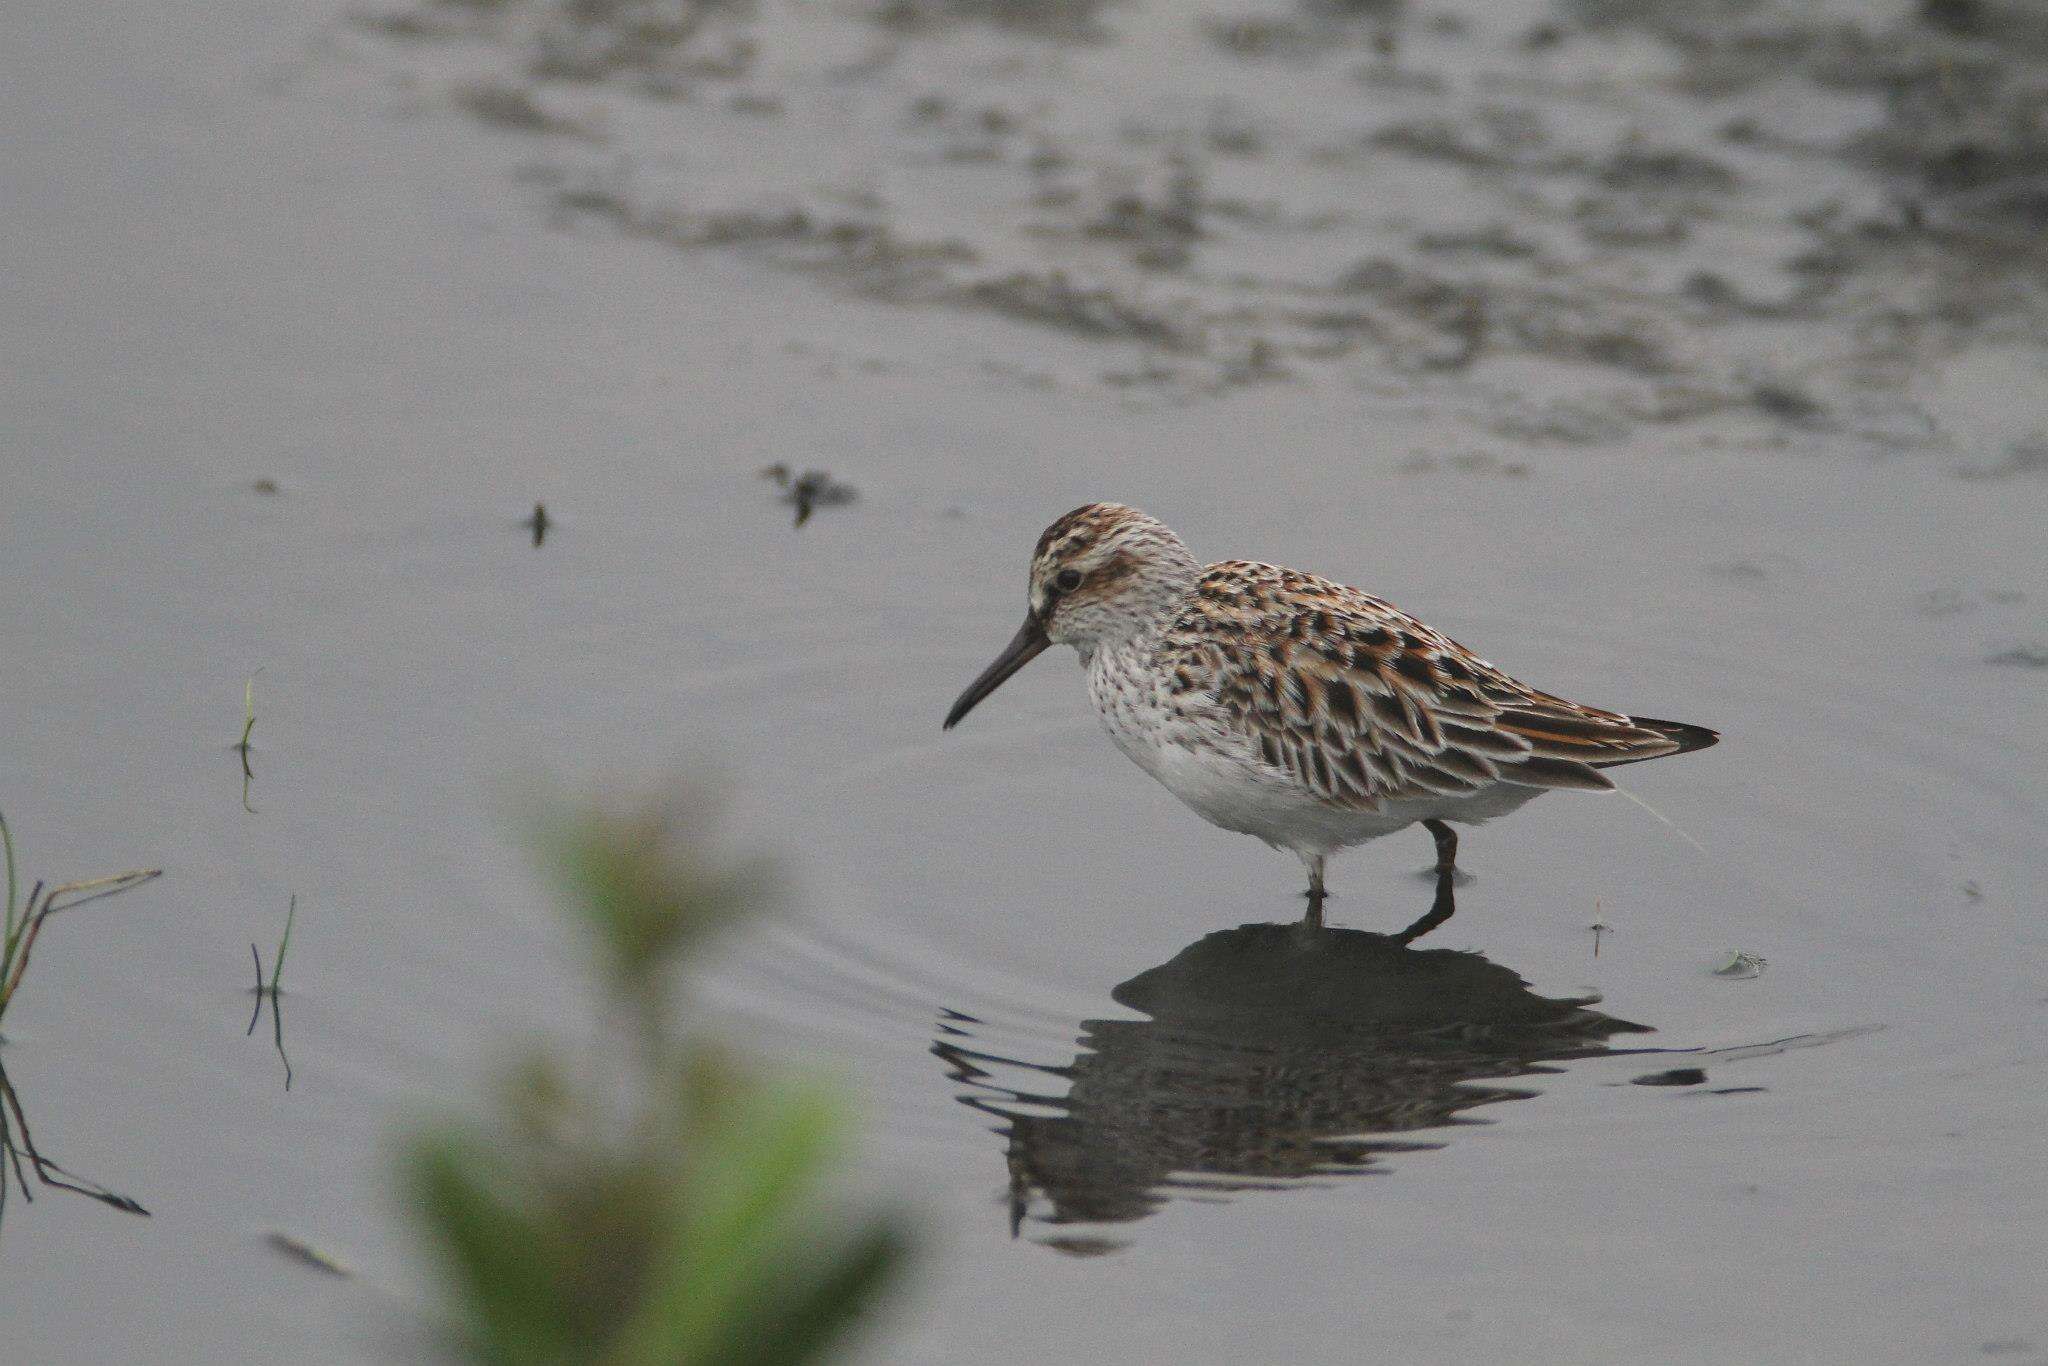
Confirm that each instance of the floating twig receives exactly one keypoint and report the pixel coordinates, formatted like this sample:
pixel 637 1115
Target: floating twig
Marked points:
pixel 23 925
pixel 16 1142
pixel 305 1254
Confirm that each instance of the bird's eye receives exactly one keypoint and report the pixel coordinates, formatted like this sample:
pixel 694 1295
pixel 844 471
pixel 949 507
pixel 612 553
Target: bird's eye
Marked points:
pixel 1067 580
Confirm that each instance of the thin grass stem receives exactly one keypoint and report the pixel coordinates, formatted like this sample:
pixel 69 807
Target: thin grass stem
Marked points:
pixel 248 712
pixel 257 1013
pixel 101 888
pixel 41 905
pixel 7 841
pixel 277 963
pixel 269 991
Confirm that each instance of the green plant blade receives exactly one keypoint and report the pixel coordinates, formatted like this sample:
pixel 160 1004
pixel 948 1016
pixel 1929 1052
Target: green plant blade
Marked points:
pixel 749 1174
pixel 277 964
pixel 7 840
pixel 806 1309
pixel 492 1252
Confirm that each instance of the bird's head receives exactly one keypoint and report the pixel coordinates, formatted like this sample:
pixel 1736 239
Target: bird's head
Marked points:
pixel 1099 575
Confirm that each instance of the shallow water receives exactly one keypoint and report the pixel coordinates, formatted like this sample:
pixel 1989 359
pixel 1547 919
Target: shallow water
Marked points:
pixel 261 244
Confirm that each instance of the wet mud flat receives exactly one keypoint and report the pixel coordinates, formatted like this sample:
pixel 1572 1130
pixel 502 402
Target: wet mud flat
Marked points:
pixel 1770 215
pixel 1685 358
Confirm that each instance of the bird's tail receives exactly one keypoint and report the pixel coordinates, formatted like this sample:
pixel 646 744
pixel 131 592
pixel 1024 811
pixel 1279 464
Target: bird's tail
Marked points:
pixel 1687 737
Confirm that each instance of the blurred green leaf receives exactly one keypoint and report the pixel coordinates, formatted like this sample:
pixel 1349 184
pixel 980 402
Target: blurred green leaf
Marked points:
pixel 802 1309
pixel 748 1179
pixel 493 1252
pixel 641 884
pixel 673 1223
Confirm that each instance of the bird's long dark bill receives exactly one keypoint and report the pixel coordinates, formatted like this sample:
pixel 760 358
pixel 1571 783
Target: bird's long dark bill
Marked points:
pixel 1025 646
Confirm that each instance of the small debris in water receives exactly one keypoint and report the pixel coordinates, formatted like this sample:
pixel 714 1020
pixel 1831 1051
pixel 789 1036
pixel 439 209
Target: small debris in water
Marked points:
pixel 2021 656
pixel 1076 1245
pixel 1742 966
pixel 265 486
pixel 538 523
pixel 306 1254
pixel 1676 1076
pixel 809 490
pixel 1771 564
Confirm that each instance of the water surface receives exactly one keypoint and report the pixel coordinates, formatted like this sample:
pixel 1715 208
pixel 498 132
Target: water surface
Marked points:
pixel 262 243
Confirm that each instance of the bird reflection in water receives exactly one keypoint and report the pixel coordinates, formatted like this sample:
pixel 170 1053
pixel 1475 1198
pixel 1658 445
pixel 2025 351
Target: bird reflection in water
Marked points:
pixel 1272 1053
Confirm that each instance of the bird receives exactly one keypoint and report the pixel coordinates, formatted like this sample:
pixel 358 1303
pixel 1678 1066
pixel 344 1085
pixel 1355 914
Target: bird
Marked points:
pixel 1289 707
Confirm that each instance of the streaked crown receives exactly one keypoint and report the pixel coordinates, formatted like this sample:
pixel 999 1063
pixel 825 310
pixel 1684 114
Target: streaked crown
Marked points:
pixel 1106 571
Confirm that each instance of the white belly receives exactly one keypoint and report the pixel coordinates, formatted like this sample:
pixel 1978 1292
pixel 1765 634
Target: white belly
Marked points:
pixel 1215 770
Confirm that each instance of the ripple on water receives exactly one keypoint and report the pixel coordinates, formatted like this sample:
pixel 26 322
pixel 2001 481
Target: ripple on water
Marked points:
pixel 1261 1057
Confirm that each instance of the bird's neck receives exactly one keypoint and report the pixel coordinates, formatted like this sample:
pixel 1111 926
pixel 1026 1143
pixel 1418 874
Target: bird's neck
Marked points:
pixel 1142 615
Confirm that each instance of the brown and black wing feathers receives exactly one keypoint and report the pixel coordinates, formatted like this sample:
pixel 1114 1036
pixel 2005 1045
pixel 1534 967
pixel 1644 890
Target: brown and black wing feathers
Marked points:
pixel 1361 703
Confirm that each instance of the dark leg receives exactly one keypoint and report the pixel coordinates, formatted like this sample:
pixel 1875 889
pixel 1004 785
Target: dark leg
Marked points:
pixel 1446 844
pixel 1316 894
pixel 1440 910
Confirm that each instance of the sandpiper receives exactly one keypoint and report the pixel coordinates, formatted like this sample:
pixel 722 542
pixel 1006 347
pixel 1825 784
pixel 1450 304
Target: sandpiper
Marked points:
pixel 1293 708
